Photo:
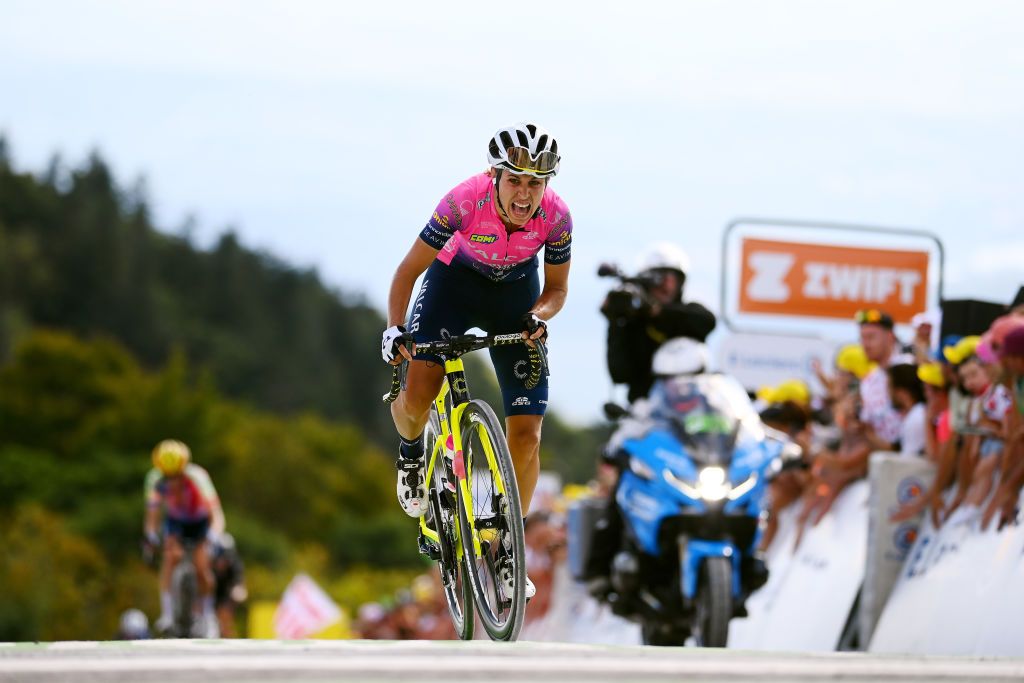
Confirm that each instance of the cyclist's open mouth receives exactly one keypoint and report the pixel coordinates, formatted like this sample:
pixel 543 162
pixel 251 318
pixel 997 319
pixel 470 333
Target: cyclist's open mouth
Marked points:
pixel 520 211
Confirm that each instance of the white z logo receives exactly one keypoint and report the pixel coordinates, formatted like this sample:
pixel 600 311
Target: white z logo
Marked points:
pixel 769 281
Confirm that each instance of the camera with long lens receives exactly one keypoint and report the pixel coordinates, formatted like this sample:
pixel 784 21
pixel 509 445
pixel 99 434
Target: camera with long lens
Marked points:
pixel 631 297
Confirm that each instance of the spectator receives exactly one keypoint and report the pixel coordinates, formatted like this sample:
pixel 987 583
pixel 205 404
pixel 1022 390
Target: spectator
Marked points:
pixel 851 364
pixel 1004 502
pixel 793 419
pixel 936 395
pixel 982 444
pixel 881 347
pixel 834 468
pixel 955 351
pixel 907 396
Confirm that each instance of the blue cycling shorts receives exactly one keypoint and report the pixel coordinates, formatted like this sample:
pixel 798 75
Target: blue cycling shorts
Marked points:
pixel 452 299
pixel 187 530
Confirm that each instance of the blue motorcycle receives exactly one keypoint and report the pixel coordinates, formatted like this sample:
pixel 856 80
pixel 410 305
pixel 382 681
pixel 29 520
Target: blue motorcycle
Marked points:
pixel 695 462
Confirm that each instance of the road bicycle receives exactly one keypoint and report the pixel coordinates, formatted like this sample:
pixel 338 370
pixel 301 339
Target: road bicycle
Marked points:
pixel 473 528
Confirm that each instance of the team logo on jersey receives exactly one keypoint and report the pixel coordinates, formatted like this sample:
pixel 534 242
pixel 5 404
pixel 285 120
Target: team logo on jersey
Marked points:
pixel 563 239
pixel 483 239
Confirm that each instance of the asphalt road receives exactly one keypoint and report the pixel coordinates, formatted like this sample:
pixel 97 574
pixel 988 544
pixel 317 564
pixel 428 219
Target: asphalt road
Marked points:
pixel 417 661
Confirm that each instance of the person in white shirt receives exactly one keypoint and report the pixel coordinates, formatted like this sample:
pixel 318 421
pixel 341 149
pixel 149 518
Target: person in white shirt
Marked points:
pixel 906 392
pixel 881 347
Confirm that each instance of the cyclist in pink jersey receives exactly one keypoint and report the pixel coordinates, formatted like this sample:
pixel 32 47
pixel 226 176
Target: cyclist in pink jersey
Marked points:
pixel 183 494
pixel 479 250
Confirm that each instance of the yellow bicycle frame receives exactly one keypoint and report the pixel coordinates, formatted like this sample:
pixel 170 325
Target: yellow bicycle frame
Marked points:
pixel 449 425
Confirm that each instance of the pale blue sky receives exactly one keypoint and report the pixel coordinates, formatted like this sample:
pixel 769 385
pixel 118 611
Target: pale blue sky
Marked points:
pixel 326 132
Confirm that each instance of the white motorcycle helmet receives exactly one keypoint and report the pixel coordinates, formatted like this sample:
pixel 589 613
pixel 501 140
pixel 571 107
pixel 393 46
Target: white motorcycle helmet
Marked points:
pixel 666 256
pixel 680 356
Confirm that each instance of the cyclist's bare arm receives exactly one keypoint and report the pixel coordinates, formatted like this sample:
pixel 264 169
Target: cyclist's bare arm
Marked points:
pixel 556 287
pixel 419 258
pixel 217 522
pixel 152 521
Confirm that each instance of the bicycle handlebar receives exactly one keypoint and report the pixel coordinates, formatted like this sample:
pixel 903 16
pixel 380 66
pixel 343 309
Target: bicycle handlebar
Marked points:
pixel 454 347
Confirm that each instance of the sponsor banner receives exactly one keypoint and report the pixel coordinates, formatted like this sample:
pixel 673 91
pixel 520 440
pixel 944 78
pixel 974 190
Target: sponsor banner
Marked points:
pixel 894 481
pixel 828 281
pixel 757 360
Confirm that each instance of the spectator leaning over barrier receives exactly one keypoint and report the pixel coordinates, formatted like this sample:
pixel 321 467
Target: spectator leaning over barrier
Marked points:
pixel 936 397
pixel 881 347
pixel 851 366
pixel 793 419
pixel 955 350
pixel 907 396
pixel 1004 502
pixel 982 446
pixel 834 468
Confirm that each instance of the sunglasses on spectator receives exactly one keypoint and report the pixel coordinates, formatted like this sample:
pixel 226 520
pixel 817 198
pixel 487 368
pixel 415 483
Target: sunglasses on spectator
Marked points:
pixel 873 316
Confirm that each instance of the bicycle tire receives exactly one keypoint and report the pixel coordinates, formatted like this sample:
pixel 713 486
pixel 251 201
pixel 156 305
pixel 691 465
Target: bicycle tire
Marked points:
pixel 498 517
pixel 184 590
pixel 451 567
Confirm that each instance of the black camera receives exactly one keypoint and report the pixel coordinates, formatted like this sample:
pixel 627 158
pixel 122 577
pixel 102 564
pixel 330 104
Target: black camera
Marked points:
pixel 626 301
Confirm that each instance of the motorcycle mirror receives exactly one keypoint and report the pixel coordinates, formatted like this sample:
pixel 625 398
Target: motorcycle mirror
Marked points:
pixel 607 270
pixel 613 411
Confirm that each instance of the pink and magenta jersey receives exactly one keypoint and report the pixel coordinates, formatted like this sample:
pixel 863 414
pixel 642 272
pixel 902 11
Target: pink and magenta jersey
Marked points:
pixel 466 229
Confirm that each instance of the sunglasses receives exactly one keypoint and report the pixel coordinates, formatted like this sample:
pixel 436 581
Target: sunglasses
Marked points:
pixel 869 316
pixel 521 159
pixel 873 315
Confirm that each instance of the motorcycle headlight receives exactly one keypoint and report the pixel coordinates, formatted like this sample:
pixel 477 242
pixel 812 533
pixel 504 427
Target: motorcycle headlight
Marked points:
pixel 712 484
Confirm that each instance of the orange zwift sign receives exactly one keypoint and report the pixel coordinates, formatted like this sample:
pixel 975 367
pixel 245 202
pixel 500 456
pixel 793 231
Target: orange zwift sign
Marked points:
pixel 824 281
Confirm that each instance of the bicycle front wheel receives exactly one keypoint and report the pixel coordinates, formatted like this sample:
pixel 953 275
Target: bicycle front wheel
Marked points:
pixel 491 524
pixel 443 502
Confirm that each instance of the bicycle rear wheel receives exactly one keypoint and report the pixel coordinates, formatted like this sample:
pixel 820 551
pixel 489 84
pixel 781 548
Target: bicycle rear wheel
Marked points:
pixel 491 523
pixel 443 502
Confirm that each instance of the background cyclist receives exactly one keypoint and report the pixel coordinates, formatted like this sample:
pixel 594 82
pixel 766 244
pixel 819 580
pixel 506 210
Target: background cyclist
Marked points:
pixel 479 250
pixel 183 494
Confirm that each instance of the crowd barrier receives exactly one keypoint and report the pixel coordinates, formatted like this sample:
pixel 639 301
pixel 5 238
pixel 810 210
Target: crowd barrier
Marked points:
pixel 960 592
pixel 808 600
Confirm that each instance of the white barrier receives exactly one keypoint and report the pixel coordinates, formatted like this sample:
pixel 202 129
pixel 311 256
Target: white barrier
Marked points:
pixel 809 595
pixel 961 591
pixel 894 481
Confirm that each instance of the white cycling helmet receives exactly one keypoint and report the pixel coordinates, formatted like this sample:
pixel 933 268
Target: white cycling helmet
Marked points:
pixel 524 148
pixel 680 356
pixel 665 255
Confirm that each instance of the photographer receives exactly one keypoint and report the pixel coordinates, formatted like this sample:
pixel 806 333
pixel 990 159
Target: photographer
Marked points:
pixel 646 311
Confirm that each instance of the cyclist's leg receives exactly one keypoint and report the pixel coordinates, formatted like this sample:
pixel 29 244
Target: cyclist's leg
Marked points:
pixel 524 409
pixel 172 553
pixel 523 432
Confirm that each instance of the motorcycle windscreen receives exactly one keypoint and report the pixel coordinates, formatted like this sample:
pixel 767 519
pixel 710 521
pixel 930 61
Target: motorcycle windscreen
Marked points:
pixel 707 412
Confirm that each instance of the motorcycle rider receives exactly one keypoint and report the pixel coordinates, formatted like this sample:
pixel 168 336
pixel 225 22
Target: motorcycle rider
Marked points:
pixel 679 357
pixel 639 325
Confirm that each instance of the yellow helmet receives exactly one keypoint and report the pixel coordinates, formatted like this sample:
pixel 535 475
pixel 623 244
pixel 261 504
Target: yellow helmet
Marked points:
pixel 170 457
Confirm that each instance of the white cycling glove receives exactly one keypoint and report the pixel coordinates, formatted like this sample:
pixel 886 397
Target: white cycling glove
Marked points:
pixel 393 336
